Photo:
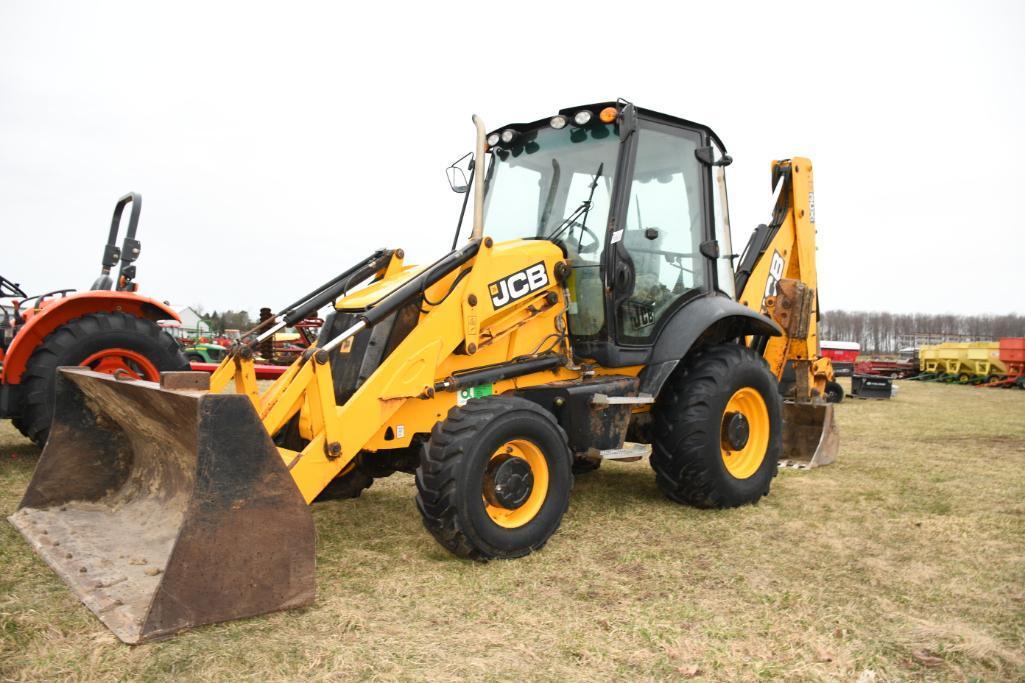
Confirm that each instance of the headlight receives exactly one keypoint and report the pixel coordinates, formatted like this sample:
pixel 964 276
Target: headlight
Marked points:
pixel 558 122
pixel 493 139
pixel 508 135
pixel 582 118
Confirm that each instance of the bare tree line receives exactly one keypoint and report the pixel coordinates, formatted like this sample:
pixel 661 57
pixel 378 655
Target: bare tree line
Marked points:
pixel 882 332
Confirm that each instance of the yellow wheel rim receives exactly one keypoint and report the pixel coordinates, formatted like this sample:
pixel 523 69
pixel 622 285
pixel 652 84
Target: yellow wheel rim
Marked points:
pixel 509 517
pixel 743 460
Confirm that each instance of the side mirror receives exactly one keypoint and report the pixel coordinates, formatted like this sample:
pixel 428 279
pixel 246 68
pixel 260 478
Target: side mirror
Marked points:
pixel 457 180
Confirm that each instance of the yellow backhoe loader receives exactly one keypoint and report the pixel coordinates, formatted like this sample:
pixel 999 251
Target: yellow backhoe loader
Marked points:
pixel 592 314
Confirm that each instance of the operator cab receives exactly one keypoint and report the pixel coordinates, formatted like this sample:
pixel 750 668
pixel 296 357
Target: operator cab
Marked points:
pixel 628 194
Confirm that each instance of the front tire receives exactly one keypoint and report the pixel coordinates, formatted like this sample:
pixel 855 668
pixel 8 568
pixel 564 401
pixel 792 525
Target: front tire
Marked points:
pixel 718 429
pixel 105 342
pixel 495 479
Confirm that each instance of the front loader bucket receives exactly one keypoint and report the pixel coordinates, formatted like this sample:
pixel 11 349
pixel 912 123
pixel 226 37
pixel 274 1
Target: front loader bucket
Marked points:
pixel 810 435
pixel 166 509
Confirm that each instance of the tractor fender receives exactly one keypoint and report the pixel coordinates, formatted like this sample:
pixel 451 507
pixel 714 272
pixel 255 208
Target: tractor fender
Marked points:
pixel 58 312
pixel 709 319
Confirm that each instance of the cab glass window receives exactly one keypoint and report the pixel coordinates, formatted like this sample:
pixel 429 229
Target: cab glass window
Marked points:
pixel 663 229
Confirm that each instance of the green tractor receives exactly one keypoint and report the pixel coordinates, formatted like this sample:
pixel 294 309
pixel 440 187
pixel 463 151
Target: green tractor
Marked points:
pixel 204 352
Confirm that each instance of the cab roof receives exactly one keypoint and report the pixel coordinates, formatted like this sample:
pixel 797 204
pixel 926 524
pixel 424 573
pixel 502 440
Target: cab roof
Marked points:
pixel 568 112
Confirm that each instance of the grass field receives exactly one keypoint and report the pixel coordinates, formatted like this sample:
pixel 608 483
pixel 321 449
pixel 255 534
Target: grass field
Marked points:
pixel 905 560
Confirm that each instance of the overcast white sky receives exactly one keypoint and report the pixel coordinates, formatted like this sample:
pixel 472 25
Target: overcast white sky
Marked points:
pixel 275 144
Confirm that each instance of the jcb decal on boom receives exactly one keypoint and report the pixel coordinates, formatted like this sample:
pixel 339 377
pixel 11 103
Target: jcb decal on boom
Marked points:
pixel 776 266
pixel 518 285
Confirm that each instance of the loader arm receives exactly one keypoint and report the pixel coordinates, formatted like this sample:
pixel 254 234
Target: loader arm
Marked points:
pixel 462 331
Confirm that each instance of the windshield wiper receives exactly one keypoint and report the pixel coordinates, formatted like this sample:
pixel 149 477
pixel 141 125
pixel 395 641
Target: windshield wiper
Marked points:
pixel 584 208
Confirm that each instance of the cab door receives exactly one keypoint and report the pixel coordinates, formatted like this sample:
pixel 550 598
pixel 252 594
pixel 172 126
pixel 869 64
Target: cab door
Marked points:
pixel 656 263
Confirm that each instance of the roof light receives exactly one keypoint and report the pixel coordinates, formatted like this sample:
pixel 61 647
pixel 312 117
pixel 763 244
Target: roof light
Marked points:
pixel 508 135
pixel 582 117
pixel 493 139
pixel 558 122
pixel 608 114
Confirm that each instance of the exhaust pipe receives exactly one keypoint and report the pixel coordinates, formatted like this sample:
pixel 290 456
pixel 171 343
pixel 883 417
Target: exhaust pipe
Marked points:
pixel 478 186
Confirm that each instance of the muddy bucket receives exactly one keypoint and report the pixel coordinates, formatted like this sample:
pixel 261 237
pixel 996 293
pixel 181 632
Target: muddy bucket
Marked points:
pixel 165 509
pixel 810 435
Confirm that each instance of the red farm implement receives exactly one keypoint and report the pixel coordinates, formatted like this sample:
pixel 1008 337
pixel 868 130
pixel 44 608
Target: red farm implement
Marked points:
pixel 895 369
pixel 1012 356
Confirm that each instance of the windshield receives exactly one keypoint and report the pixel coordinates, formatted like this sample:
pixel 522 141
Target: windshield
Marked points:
pixel 558 183
pixel 545 177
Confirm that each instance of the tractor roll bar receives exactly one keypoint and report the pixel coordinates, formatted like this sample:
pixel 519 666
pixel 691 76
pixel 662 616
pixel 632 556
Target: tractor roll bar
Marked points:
pixel 130 248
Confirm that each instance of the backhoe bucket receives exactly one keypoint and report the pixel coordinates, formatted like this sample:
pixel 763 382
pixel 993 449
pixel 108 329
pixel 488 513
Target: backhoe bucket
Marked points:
pixel 166 509
pixel 810 435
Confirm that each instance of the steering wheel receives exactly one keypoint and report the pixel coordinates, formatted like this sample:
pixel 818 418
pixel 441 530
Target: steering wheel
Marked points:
pixel 591 246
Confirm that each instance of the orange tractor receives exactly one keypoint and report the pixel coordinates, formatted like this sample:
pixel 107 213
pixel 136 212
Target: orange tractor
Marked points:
pixel 110 329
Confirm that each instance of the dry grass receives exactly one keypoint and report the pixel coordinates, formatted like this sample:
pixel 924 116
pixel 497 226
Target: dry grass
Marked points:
pixel 905 560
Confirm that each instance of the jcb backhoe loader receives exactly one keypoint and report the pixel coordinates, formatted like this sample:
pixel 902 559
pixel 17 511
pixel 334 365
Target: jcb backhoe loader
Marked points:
pixel 590 315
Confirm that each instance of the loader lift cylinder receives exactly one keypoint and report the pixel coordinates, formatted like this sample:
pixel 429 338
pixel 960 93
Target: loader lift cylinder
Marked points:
pixel 407 292
pixel 323 295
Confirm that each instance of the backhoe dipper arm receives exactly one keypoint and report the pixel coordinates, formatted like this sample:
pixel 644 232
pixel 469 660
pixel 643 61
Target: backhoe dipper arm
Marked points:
pixel 777 276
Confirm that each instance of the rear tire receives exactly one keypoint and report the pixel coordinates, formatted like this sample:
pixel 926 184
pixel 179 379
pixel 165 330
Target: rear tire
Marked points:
pixel 495 479
pixel 80 339
pixel 689 451
pixel 834 392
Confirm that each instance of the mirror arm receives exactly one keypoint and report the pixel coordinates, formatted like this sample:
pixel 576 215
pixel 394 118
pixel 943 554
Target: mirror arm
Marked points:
pixel 462 210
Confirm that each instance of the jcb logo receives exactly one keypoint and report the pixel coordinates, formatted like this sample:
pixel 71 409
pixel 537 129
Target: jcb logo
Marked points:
pixel 775 275
pixel 518 285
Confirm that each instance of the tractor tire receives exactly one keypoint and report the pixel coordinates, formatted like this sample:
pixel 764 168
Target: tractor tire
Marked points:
pixel 718 429
pixel 834 392
pixel 149 351
pixel 495 478
pixel 19 424
pixel 195 358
